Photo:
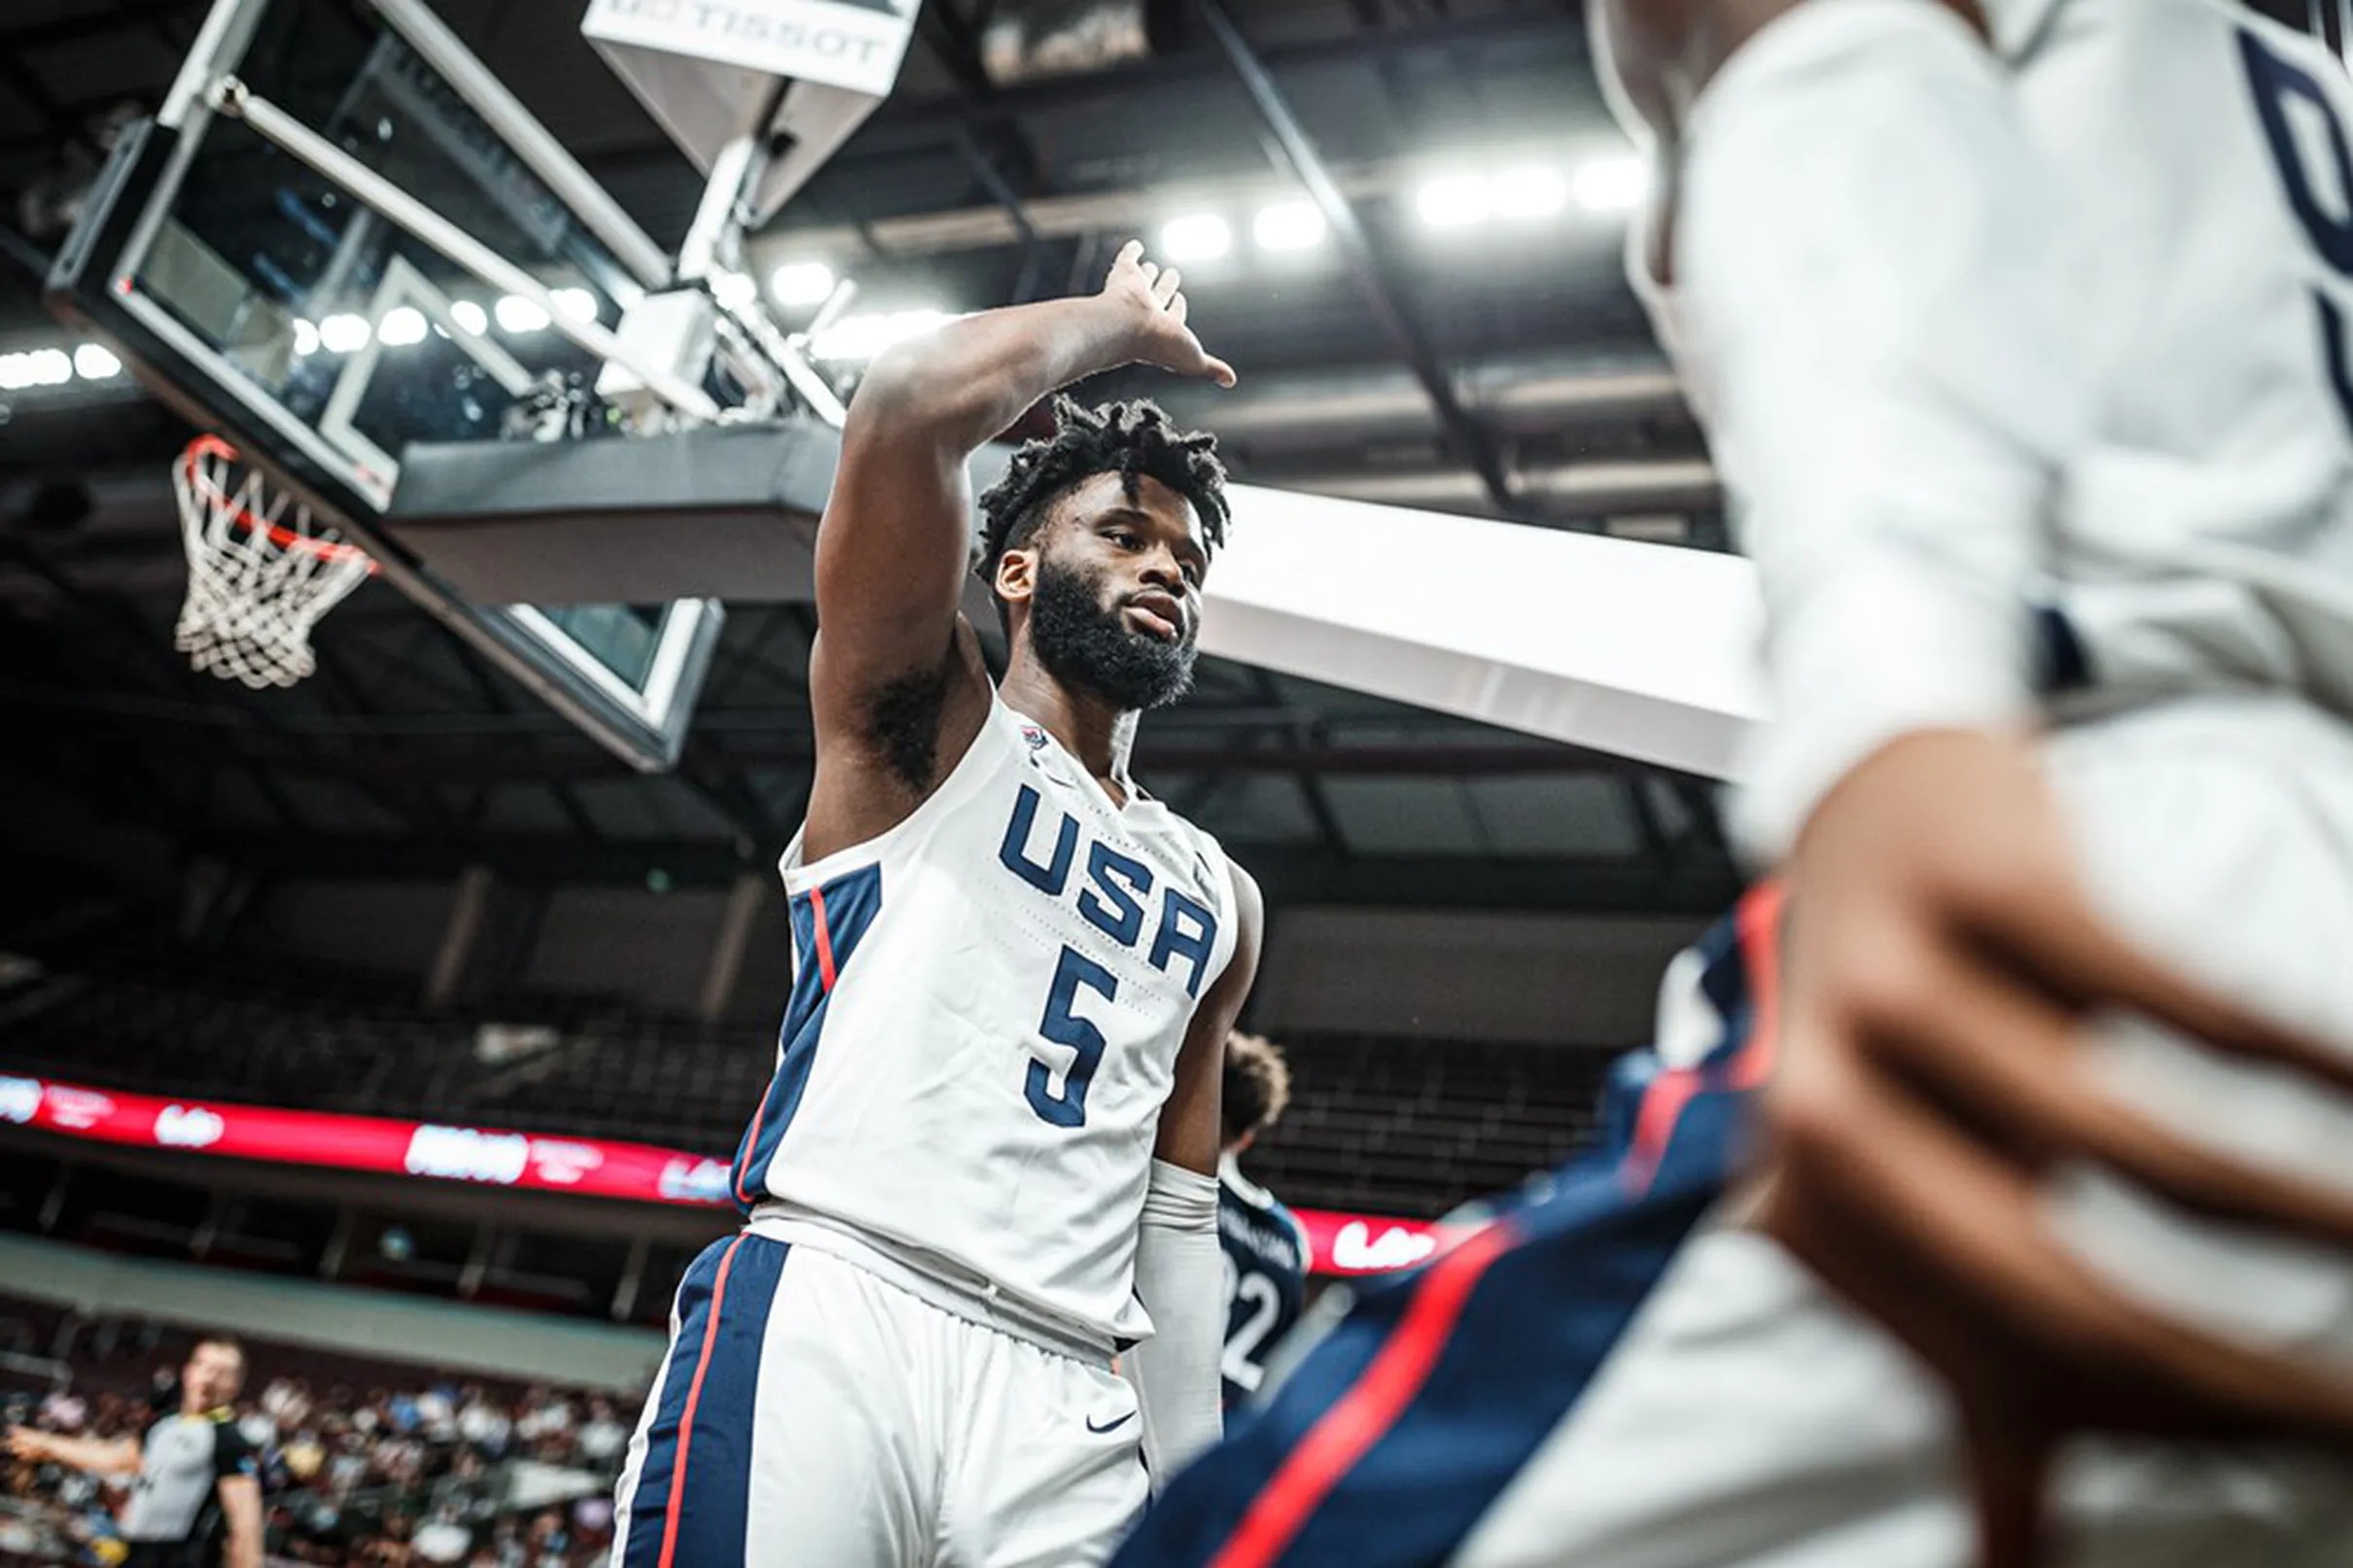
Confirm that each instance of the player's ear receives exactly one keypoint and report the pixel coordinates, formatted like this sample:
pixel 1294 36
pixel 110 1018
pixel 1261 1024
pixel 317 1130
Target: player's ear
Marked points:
pixel 1016 577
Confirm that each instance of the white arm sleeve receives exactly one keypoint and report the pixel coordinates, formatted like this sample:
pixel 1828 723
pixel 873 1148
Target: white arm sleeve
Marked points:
pixel 1870 291
pixel 1181 1279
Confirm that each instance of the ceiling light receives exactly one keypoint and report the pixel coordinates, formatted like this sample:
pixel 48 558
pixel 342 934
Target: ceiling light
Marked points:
pixel 1288 226
pixel 343 332
pixel 518 314
pixel 306 338
pixel 864 336
pixel 468 314
pixel 578 304
pixel 1201 236
pixel 1453 201
pixel 1532 191
pixel 802 284
pixel 95 362
pixel 35 368
pixel 733 289
pixel 1616 183
pixel 401 326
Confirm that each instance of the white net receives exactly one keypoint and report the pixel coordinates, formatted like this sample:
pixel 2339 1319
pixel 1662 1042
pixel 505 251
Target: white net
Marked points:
pixel 259 572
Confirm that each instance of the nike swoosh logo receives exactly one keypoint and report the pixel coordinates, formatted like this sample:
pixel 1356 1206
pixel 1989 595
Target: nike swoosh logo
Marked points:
pixel 1114 1427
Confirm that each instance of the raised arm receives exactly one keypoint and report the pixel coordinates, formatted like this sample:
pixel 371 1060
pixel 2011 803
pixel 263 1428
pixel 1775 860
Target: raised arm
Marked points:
pixel 895 678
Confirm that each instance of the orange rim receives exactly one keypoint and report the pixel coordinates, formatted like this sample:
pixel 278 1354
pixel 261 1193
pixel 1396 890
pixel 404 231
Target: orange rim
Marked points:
pixel 284 538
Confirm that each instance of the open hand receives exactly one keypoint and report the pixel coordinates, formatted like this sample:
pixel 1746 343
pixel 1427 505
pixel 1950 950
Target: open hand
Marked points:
pixel 1942 964
pixel 1150 295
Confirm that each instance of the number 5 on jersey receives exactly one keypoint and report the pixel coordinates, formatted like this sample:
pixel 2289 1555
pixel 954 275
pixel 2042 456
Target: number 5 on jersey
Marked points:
pixel 1064 1027
pixel 2316 168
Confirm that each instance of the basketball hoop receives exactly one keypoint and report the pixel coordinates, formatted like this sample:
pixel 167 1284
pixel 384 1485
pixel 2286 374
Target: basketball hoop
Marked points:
pixel 259 572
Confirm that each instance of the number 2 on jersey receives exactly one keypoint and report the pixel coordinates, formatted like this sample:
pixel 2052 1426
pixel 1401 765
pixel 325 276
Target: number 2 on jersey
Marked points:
pixel 2322 199
pixel 1263 1300
pixel 1064 1027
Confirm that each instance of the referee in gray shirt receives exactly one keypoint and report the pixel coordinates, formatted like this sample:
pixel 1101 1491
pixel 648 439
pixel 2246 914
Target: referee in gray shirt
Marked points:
pixel 198 1501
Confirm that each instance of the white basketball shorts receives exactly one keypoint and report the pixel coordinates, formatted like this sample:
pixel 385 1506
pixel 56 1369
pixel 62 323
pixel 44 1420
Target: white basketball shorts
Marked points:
pixel 810 1414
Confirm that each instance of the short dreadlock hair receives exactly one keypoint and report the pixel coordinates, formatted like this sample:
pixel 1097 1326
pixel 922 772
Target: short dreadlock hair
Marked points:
pixel 1257 1084
pixel 1130 440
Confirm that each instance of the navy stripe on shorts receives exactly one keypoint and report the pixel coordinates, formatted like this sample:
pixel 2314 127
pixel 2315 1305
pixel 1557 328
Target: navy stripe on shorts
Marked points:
pixel 694 1489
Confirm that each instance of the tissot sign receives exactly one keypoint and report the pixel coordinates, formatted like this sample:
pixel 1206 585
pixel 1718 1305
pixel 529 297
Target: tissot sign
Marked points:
pixel 853 44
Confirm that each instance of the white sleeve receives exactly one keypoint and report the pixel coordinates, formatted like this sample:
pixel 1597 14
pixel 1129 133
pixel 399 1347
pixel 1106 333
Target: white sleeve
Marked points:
pixel 1181 1279
pixel 1870 289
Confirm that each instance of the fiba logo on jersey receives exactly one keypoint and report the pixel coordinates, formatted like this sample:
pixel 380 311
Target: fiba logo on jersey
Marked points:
pixel 1034 737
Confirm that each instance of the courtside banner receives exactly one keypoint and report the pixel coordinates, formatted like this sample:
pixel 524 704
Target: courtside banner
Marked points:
pixel 853 44
pixel 533 1162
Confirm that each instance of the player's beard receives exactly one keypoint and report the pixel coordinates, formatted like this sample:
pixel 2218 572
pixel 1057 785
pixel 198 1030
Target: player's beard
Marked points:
pixel 1086 643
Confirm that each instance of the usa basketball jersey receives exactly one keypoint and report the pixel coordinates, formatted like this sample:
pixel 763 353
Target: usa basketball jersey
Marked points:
pixel 2115 382
pixel 986 1005
pixel 2203 153
pixel 1266 1256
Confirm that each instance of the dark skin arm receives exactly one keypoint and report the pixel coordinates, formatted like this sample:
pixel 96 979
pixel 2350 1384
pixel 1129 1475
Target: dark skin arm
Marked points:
pixel 1191 1132
pixel 896 677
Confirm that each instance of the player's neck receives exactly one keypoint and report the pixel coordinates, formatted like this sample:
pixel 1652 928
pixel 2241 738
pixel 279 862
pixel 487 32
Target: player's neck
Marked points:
pixel 1099 735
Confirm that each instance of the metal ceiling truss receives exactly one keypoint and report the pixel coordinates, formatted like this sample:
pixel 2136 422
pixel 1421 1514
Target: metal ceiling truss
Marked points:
pixel 1377 278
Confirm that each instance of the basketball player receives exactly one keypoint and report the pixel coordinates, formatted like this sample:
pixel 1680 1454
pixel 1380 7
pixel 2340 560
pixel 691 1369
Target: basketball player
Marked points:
pixel 2020 332
pixel 1266 1247
pixel 986 1164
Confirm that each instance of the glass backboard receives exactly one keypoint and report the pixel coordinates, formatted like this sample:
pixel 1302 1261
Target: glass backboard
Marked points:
pixel 322 339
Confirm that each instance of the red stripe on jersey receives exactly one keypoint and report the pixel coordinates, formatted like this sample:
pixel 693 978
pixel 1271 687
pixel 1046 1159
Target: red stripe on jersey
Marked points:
pixel 1345 1432
pixel 694 1395
pixel 824 938
pixel 1761 944
pixel 1758 920
pixel 1663 1105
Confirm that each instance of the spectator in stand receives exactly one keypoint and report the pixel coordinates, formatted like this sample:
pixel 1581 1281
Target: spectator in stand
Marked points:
pixel 545 1424
pixel 198 1502
pixel 482 1424
pixel 603 1437
pixel 443 1539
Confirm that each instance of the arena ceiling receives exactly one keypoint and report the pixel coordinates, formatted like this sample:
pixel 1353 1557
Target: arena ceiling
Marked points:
pixel 1500 368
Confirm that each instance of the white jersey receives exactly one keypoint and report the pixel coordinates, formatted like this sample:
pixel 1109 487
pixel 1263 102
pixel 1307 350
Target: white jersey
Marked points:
pixel 987 1006
pixel 2066 325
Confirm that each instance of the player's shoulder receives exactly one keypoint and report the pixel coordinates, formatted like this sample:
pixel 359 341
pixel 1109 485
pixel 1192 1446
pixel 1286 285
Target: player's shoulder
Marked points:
pixel 1260 1206
pixel 1296 1229
pixel 1235 1188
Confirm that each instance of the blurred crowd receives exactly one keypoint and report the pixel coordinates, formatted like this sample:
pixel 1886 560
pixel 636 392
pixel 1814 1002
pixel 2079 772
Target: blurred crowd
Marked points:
pixel 398 1470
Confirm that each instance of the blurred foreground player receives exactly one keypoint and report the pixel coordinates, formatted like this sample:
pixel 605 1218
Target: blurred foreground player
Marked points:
pixel 2020 334
pixel 1266 1247
pixel 986 1164
pixel 196 1502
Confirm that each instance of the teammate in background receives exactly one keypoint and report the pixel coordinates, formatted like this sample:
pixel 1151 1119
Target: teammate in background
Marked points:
pixel 1266 1247
pixel 197 1500
pixel 986 1165
pixel 2020 332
